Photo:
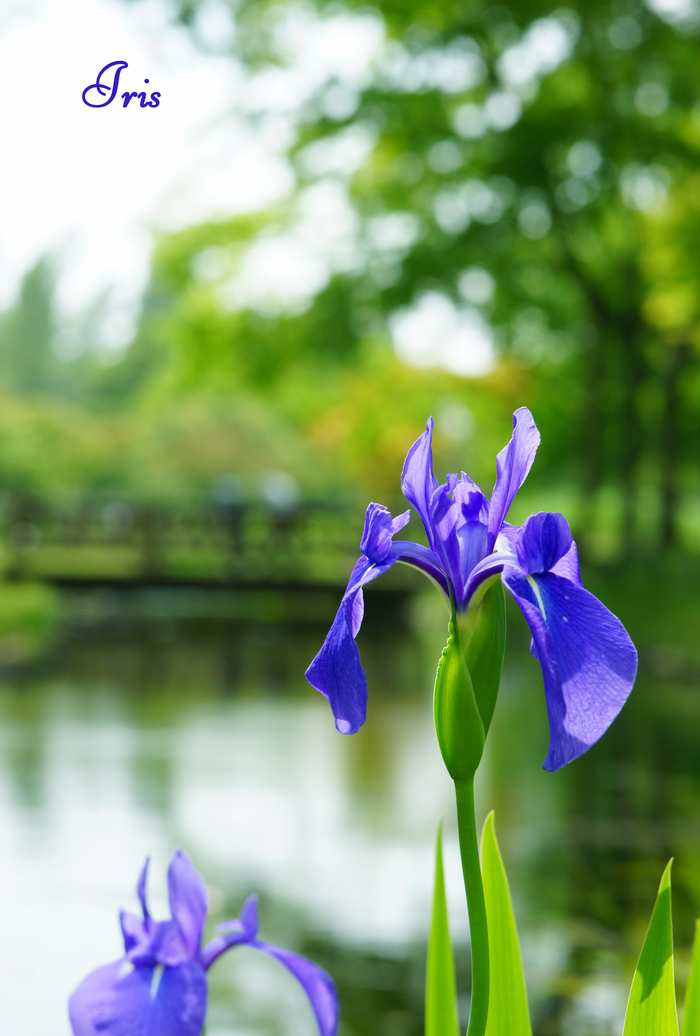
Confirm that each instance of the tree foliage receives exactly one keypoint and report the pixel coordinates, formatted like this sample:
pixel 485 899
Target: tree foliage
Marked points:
pixel 551 148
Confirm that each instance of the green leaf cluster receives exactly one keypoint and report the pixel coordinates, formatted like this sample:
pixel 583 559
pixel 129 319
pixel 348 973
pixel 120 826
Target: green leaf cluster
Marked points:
pixel 508 1009
pixel 651 1009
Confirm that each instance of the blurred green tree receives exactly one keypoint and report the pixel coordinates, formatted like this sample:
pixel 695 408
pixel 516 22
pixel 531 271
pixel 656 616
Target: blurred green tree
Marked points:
pixel 528 168
pixel 27 332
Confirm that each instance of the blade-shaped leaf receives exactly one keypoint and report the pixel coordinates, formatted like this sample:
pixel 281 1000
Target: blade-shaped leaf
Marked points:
pixel 508 1010
pixel 441 994
pixel 691 1011
pixel 651 1009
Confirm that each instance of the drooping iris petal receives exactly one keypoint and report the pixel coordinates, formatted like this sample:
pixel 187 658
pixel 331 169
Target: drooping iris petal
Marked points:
pixel 119 1000
pixel 544 539
pixel 378 531
pixel 220 943
pixel 422 558
pixel 512 465
pixel 188 901
pixel 242 930
pixel 588 661
pixel 336 671
pixel 418 483
pixel 83 1006
pixel 317 984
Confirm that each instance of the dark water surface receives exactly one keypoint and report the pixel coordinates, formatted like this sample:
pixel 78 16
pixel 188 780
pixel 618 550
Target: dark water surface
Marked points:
pixel 169 718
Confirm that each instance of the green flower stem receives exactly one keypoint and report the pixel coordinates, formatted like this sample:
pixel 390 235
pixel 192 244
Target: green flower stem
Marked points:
pixel 471 868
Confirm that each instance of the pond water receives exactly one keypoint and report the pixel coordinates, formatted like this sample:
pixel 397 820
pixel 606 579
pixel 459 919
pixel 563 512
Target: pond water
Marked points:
pixel 181 718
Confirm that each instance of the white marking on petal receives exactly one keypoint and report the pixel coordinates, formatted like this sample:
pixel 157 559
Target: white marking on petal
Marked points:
pixel 155 981
pixel 538 595
pixel 565 618
pixel 126 969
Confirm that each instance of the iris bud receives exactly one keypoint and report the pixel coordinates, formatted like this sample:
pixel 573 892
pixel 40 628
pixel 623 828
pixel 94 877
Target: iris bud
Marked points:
pixel 467 681
pixel 458 723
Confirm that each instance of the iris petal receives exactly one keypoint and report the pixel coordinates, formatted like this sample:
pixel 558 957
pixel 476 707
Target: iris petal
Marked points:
pixel 336 671
pixel 188 901
pixel 418 483
pixel 242 930
pixel 446 515
pixel 588 661
pixel 512 465
pixel 141 890
pixel 133 930
pixel 379 528
pixel 491 565
pixel 568 566
pixel 143 1001
pixel 544 539
pixel 422 558
pixel 317 984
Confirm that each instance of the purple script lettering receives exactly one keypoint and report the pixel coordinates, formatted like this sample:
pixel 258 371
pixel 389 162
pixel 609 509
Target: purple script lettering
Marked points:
pixel 105 87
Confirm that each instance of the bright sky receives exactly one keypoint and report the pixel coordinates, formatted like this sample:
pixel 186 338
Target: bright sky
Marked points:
pixel 93 183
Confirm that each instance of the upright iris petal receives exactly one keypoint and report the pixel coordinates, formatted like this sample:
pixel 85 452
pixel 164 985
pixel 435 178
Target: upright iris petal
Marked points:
pixel 512 466
pixel 188 902
pixel 160 988
pixel 418 483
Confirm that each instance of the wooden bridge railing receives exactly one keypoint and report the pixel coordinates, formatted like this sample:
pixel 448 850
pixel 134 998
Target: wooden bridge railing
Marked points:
pixel 313 542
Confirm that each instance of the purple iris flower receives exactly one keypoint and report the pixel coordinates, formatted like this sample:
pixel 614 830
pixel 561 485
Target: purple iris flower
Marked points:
pixel 159 987
pixel 588 661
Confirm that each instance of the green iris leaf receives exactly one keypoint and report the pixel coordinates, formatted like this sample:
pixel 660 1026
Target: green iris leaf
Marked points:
pixel 691 1011
pixel 508 1010
pixel 441 994
pixel 651 1009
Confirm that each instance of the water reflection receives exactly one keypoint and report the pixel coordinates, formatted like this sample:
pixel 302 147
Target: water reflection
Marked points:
pixel 166 721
